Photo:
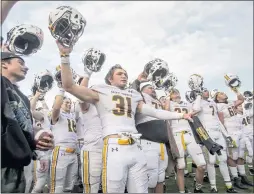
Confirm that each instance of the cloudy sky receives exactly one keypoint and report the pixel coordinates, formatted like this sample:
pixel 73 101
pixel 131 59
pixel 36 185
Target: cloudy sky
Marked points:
pixel 209 38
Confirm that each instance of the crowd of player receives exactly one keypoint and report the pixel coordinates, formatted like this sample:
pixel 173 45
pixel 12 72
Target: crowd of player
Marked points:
pixel 119 137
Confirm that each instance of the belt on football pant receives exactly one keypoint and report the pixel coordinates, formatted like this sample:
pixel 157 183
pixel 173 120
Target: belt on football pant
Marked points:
pixel 118 139
pixel 67 150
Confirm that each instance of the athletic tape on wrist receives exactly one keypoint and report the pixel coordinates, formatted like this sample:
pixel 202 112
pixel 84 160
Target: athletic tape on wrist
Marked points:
pixel 65 60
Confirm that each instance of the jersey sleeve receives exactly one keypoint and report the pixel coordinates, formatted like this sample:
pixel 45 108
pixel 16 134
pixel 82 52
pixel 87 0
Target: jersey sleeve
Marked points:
pixel 101 88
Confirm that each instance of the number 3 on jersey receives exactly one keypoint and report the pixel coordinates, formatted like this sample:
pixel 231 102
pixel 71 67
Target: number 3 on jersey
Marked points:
pixel 123 106
pixel 71 125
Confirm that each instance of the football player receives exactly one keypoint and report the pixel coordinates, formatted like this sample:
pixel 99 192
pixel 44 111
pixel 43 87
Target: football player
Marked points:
pixel 208 114
pixel 91 151
pixel 64 163
pixel 228 116
pixel 185 142
pixel 248 122
pixel 123 161
pixel 153 139
pixel 41 165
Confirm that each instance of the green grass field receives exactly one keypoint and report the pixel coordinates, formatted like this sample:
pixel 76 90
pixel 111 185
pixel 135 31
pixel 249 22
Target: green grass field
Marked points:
pixel 172 186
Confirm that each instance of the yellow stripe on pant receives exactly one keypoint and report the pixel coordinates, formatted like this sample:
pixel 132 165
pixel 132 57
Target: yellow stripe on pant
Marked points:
pixel 182 140
pixel 104 167
pixel 162 151
pixel 35 168
pixel 55 154
pixel 86 171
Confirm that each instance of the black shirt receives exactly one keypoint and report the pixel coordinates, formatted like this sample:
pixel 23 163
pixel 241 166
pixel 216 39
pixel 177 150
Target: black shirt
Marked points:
pixel 17 136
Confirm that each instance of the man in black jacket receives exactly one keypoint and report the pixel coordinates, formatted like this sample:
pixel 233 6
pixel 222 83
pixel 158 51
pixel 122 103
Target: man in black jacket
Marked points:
pixel 17 135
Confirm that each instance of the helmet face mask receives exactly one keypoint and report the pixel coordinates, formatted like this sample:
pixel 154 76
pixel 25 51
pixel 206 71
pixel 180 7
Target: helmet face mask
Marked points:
pixel 93 59
pixel 24 39
pixel 66 25
pixel 44 82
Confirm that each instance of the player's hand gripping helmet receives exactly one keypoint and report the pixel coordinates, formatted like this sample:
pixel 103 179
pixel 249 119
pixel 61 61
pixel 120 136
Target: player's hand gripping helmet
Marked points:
pixel 156 70
pixel 213 93
pixel 93 59
pixel 232 81
pixel 24 39
pixel 66 25
pixel 58 76
pixel 44 81
pixel 196 82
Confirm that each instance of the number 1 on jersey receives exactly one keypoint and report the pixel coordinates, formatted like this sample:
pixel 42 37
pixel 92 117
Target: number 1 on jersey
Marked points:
pixel 120 106
pixel 71 125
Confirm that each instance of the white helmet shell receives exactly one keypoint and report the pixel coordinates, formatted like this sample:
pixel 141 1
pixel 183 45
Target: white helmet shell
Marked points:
pixel 93 59
pixel 195 82
pixel 66 25
pixel 44 81
pixel 213 93
pixel 24 39
pixel 232 80
pixel 156 70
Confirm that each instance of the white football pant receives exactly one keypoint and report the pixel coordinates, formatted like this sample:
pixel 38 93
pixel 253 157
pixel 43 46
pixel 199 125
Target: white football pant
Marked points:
pixel 28 173
pixel 235 152
pixel 186 142
pixel 91 169
pixel 64 169
pixel 123 165
pixel 157 161
pixel 40 178
pixel 217 137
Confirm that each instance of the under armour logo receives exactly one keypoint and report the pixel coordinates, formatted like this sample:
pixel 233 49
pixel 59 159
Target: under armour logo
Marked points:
pixel 114 149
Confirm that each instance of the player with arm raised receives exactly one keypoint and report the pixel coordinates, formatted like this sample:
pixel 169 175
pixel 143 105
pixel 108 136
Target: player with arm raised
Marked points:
pixel 91 129
pixel 123 161
pixel 208 114
pixel 228 116
pixel 64 163
pixel 185 142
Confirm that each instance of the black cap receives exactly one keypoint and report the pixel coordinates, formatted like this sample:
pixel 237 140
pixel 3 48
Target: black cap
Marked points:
pixel 9 55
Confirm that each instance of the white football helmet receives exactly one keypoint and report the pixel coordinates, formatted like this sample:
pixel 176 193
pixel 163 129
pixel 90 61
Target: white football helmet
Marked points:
pixel 44 81
pixel 190 96
pixel 213 93
pixel 195 82
pixel 66 25
pixel 232 80
pixel 168 82
pixel 58 77
pixel 93 59
pixel 156 70
pixel 248 96
pixel 24 39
